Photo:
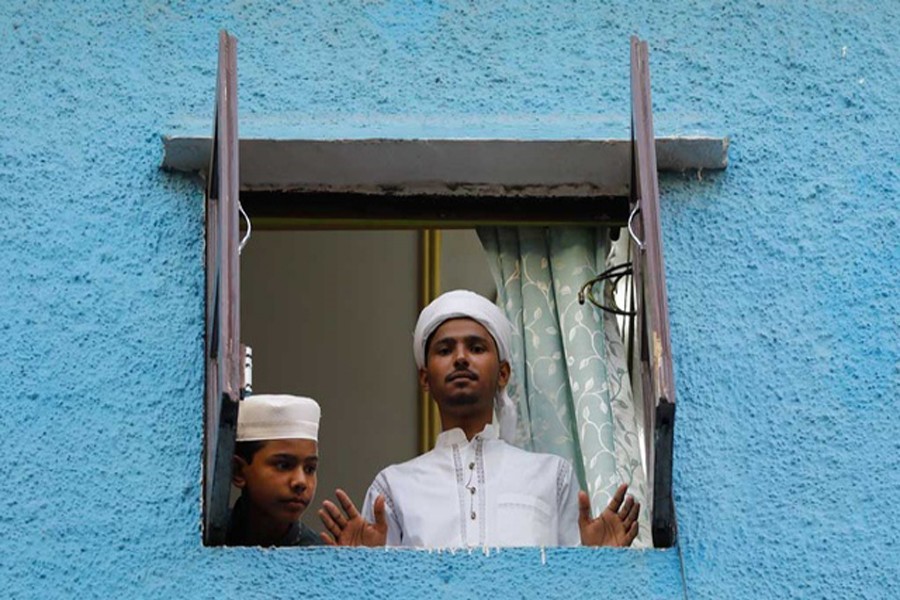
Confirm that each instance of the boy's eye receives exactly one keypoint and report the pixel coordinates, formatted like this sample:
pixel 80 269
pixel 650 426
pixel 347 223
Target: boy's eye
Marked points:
pixel 309 469
pixel 283 464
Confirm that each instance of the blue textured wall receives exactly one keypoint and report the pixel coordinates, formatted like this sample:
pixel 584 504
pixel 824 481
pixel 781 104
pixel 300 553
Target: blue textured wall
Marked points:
pixel 782 278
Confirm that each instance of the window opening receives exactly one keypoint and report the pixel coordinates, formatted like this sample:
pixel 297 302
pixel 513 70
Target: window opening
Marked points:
pixel 648 338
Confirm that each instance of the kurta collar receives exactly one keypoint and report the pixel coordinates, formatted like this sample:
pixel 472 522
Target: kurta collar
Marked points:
pixel 298 534
pixel 458 436
pixel 237 528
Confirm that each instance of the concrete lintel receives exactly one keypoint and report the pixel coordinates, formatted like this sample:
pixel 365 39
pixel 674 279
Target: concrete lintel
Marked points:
pixel 413 166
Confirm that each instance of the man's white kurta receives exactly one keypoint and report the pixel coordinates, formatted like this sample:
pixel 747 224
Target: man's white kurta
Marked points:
pixel 482 492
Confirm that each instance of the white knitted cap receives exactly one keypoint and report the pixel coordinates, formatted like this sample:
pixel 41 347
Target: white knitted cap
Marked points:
pixel 278 417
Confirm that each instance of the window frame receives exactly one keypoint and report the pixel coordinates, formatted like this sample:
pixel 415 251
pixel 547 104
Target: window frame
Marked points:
pixel 652 342
pixel 652 361
pixel 223 370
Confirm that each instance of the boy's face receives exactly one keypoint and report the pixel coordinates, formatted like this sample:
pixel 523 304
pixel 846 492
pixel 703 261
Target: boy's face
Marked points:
pixel 280 481
pixel 462 369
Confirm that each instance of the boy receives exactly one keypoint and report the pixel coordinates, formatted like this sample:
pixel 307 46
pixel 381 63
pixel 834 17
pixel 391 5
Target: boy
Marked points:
pixel 274 466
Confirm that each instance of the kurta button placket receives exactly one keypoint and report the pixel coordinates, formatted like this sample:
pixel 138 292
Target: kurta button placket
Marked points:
pixel 472 514
pixel 468 457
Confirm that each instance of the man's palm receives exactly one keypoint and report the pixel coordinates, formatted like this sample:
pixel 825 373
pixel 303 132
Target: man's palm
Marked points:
pixel 617 524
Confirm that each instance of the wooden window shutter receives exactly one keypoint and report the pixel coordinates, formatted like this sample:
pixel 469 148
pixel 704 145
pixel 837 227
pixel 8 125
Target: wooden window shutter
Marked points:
pixel 654 375
pixel 223 351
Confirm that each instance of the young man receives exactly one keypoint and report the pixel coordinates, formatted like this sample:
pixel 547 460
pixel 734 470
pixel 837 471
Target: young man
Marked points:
pixel 274 466
pixel 475 489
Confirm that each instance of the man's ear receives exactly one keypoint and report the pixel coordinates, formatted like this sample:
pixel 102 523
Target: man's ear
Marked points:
pixel 504 375
pixel 238 475
pixel 423 380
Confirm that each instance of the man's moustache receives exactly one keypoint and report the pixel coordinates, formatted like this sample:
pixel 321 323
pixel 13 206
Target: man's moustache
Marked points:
pixel 461 374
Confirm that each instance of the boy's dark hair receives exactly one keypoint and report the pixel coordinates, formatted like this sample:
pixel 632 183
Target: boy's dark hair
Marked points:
pixel 246 450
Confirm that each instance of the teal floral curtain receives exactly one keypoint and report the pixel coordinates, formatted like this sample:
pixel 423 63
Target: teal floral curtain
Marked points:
pixel 570 376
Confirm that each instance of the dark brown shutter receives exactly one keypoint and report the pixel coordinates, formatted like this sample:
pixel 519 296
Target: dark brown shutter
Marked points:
pixel 653 344
pixel 223 352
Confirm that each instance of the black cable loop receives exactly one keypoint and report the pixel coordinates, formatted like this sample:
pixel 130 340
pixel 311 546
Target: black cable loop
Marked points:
pixel 614 274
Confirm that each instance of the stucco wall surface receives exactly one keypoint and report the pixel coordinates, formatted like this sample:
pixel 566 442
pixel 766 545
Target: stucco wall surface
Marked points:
pixel 782 277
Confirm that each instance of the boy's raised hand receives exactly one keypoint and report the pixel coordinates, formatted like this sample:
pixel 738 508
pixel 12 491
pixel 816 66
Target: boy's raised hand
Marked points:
pixel 348 527
pixel 616 526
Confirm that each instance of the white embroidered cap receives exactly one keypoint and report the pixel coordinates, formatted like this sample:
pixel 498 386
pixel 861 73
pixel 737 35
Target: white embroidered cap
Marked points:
pixel 463 304
pixel 278 417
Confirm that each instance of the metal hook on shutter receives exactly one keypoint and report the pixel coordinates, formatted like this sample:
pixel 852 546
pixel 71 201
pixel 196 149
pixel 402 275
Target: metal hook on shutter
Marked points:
pixel 635 211
pixel 246 237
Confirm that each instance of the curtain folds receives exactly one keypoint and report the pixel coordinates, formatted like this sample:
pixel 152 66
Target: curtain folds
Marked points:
pixel 570 376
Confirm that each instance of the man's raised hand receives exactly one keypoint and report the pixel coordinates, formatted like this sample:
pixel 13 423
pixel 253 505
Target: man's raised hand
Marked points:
pixel 348 528
pixel 616 526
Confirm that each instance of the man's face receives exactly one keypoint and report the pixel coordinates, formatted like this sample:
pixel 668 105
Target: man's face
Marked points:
pixel 462 369
pixel 280 481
